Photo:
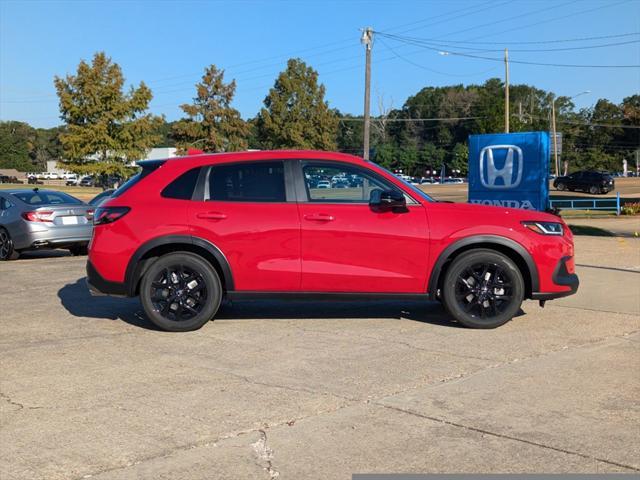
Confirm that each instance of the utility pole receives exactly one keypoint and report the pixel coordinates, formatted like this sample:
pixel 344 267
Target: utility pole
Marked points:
pixel 555 135
pixel 367 41
pixel 506 90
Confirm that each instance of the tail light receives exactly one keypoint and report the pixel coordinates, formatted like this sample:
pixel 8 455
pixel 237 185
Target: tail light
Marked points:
pixel 39 216
pixel 104 215
pixel 89 214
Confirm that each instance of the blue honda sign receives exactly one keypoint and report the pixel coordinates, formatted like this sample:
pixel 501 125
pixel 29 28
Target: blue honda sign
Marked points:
pixel 510 170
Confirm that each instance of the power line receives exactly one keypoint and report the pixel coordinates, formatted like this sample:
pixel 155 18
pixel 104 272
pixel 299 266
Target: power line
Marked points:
pixel 436 119
pixel 480 57
pixel 417 41
pixel 433 70
pixel 564 40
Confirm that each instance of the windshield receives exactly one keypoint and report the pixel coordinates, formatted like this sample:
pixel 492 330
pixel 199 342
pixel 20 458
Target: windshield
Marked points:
pixel 38 198
pixel 413 188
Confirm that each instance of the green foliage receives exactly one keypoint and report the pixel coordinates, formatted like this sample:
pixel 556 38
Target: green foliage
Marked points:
pixel 16 142
pixel 27 149
pixel 212 124
pixel 105 127
pixel 631 208
pixel 295 114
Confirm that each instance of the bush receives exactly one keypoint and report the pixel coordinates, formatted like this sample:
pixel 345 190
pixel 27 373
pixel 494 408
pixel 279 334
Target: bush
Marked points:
pixel 631 208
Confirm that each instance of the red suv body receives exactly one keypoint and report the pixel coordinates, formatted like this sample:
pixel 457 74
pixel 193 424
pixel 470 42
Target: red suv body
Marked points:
pixel 186 232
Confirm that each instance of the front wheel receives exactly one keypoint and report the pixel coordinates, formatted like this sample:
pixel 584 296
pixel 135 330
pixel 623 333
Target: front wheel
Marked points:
pixel 561 186
pixel 593 190
pixel 483 289
pixel 180 292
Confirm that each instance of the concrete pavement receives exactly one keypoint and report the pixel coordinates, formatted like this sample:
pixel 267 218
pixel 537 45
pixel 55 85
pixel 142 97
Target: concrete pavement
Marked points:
pixel 311 390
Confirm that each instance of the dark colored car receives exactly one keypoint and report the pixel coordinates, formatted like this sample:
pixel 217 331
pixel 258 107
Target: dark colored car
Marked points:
pixel 101 197
pixel 187 232
pixel 587 181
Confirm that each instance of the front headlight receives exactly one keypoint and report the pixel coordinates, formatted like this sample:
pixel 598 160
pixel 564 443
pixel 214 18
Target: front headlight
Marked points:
pixel 545 228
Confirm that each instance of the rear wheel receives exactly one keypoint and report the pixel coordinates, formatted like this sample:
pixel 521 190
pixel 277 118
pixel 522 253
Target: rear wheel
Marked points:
pixel 180 292
pixel 78 250
pixel 7 252
pixel 483 289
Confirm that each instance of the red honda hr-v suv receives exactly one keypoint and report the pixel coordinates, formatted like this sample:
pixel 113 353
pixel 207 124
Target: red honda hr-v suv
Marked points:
pixel 187 232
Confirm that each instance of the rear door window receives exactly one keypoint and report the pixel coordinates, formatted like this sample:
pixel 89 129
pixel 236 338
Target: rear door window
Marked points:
pixel 247 182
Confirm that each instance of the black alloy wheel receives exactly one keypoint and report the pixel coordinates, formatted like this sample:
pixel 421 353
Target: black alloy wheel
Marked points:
pixel 483 289
pixel 561 186
pixel 6 245
pixel 593 190
pixel 180 292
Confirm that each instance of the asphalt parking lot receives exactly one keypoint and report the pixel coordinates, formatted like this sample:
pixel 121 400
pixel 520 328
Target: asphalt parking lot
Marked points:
pixel 317 390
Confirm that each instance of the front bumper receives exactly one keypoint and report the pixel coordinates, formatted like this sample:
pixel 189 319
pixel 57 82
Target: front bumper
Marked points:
pixel 561 276
pixel 98 286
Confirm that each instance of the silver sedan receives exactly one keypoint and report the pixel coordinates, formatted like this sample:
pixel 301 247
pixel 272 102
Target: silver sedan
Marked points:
pixel 34 218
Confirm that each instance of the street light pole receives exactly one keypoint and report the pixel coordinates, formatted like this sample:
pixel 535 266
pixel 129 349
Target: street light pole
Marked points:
pixel 553 128
pixel 367 41
pixel 555 136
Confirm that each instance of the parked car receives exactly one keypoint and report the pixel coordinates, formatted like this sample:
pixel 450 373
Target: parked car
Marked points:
pixel 33 180
pixel 72 180
pixel 247 225
pixel 324 184
pixel 101 197
pixel 87 181
pixel 9 179
pixel 34 219
pixel 588 181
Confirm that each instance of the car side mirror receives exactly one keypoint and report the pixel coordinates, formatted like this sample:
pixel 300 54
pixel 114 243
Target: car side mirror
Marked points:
pixel 387 200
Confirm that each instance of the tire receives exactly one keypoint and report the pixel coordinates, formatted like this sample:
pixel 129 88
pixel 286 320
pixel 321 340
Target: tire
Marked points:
pixel 593 190
pixel 171 300
pixel 7 250
pixel 561 186
pixel 78 250
pixel 478 301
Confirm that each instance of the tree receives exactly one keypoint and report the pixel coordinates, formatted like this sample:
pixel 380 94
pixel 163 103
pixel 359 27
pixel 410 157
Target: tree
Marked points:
pixel 460 158
pixel 105 127
pixel 295 114
pixel 211 122
pixel 16 143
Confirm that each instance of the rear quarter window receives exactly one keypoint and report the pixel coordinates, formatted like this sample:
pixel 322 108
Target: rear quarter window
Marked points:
pixel 182 188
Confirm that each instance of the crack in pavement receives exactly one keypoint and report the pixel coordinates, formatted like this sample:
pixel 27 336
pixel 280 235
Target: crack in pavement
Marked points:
pixel 507 437
pixel 397 342
pixel 377 401
pixel 20 406
pixel 265 454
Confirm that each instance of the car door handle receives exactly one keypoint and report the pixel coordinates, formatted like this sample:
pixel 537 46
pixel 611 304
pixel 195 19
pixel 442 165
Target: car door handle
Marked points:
pixel 212 216
pixel 319 217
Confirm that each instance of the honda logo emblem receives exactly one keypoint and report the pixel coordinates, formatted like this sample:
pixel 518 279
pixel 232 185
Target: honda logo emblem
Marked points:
pixel 511 167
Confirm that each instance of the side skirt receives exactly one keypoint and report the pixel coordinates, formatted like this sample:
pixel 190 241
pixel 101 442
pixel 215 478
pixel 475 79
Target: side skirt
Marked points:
pixel 325 296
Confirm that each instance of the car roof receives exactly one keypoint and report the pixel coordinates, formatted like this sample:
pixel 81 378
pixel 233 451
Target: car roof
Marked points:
pixel 23 190
pixel 246 156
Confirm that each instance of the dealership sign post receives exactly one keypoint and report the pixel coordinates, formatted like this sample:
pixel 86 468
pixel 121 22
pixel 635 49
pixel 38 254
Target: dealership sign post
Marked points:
pixel 510 170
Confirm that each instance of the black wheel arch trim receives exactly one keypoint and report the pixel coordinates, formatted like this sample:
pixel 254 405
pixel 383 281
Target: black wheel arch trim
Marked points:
pixel 481 240
pixel 137 266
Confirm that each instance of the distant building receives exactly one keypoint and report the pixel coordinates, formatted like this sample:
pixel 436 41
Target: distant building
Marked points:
pixel 157 153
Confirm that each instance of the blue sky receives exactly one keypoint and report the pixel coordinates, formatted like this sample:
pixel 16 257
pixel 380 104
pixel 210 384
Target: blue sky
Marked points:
pixel 168 43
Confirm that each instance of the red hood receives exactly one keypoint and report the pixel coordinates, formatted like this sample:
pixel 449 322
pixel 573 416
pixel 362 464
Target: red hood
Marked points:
pixel 495 212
